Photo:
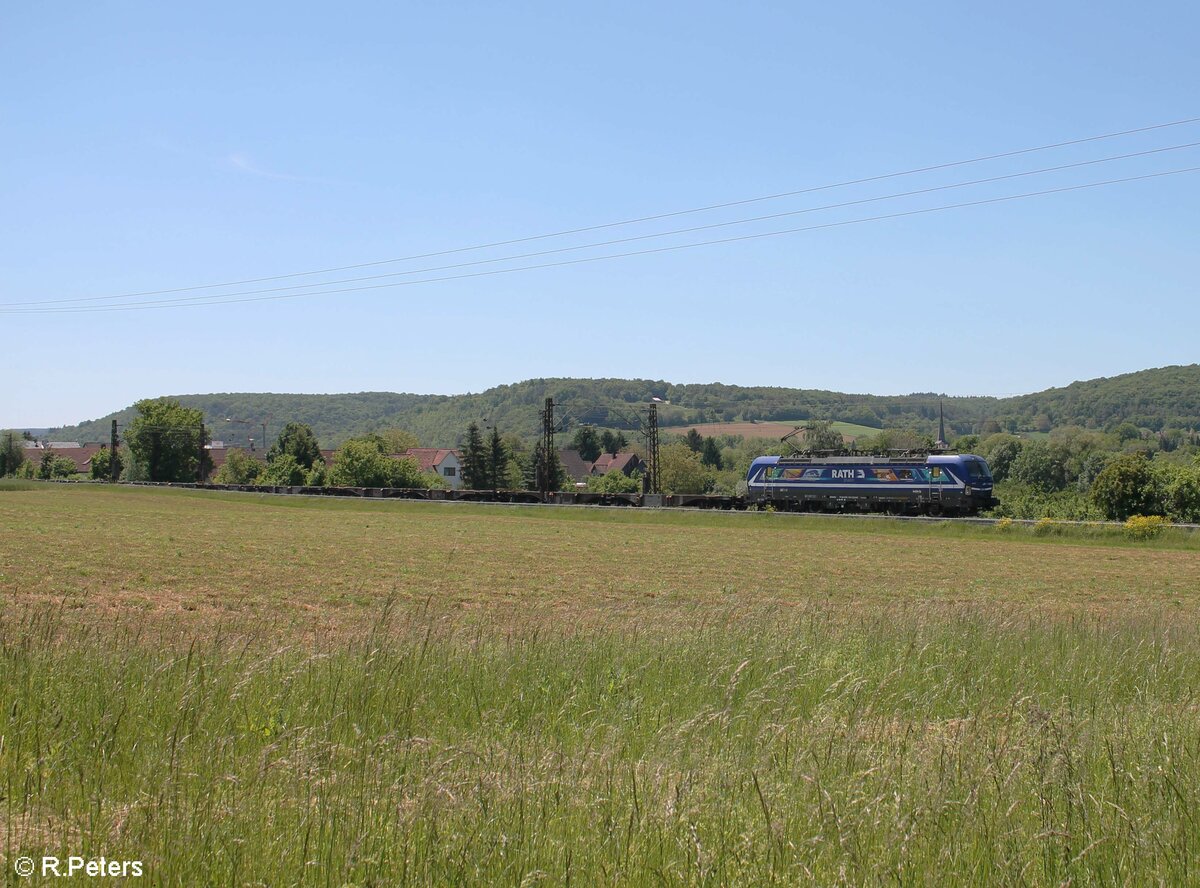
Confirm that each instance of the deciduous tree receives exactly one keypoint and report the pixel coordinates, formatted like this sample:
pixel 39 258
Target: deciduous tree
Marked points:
pixel 12 453
pixel 1042 465
pixel 364 462
pixel 680 470
pixel 399 440
pixel 1127 487
pixel 821 435
pixel 613 442
pixel 102 465
pixel 167 438
pixel 297 441
pixel 1183 495
pixel 1000 451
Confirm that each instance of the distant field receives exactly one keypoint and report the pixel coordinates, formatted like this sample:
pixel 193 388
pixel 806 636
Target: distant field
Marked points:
pixel 775 430
pixel 253 690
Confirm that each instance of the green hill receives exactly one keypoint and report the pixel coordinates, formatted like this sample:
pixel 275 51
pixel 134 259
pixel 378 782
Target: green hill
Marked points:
pixel 1168 397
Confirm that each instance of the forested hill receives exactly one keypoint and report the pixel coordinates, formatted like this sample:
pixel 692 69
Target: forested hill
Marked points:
pixel 1168 397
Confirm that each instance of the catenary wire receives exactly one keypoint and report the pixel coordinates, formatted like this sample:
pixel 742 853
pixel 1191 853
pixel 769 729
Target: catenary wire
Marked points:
pixel 651 218
pixel 642 237
pixel 655 250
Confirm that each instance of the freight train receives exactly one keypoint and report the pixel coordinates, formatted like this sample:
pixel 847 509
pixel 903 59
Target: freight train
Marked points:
pixel 907 483
pixel 899 484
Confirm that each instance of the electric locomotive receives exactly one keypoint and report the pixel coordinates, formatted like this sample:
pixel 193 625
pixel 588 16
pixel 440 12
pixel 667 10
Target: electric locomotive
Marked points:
pixel 899 484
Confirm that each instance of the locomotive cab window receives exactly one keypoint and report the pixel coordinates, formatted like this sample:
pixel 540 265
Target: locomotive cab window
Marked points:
pixel 978 470
pixel 937 476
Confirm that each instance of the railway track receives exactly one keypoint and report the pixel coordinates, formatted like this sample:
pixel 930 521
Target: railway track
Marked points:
pixel 591 500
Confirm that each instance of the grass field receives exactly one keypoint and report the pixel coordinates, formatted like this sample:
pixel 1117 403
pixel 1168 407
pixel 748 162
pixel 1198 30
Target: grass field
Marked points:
pixel 245 690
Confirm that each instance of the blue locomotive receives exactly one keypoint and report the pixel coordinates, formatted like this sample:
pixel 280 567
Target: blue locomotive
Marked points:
pixel 901 484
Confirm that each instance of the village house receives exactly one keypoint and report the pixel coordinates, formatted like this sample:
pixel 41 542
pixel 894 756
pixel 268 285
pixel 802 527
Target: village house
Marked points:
pixel 446 464
pixel 626 463
pixel 79 454
pixel 579 469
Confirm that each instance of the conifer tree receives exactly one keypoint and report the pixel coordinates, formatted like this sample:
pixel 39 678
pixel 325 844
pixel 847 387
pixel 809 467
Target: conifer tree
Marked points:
pixel 587 443
pixel 475 460
pixel 558 478
pixel 498 459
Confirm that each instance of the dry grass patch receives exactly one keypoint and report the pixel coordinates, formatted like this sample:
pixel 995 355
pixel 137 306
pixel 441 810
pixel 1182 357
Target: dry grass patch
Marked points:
pixel 313 566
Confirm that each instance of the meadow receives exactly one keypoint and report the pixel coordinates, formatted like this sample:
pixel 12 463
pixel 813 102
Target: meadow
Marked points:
pixel 238 689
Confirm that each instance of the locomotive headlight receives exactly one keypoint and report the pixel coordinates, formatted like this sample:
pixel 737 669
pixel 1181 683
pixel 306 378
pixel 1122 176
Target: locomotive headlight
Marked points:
pixel 967 490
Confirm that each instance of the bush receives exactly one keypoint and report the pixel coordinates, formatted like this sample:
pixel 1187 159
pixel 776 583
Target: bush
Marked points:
pixel 102 465
pixel 1024 502
pixel 1183 495
pixel 55 466
pixel 1127 486
pixel 284 471
pixel 1046 527
pixel 318 475
pixel 239 468
pixel 1145 527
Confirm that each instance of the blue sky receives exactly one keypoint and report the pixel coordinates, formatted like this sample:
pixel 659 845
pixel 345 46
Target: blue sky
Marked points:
pixel 154 146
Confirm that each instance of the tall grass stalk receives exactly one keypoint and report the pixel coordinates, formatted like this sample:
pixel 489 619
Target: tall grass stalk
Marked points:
pixel 899 745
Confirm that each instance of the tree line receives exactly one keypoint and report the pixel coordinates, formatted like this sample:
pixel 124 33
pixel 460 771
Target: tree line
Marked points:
pixel 1070 473
pixel 1086 474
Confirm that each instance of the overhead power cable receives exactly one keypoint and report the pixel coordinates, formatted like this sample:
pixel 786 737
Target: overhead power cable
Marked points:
pixel 586 259
pixel 641 237
pixel 650 218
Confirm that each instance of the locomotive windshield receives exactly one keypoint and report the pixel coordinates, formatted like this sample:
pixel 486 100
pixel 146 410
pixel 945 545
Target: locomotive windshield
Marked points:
pixel 978 470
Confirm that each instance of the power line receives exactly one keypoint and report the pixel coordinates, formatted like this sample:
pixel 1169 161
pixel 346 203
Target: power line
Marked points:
pixel 727 240
pixel 226 297
pixel 650 218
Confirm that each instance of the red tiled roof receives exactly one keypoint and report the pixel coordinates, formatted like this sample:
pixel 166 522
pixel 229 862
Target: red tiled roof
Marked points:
pixel 429 457
pixel 623 462
pixel 81 455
